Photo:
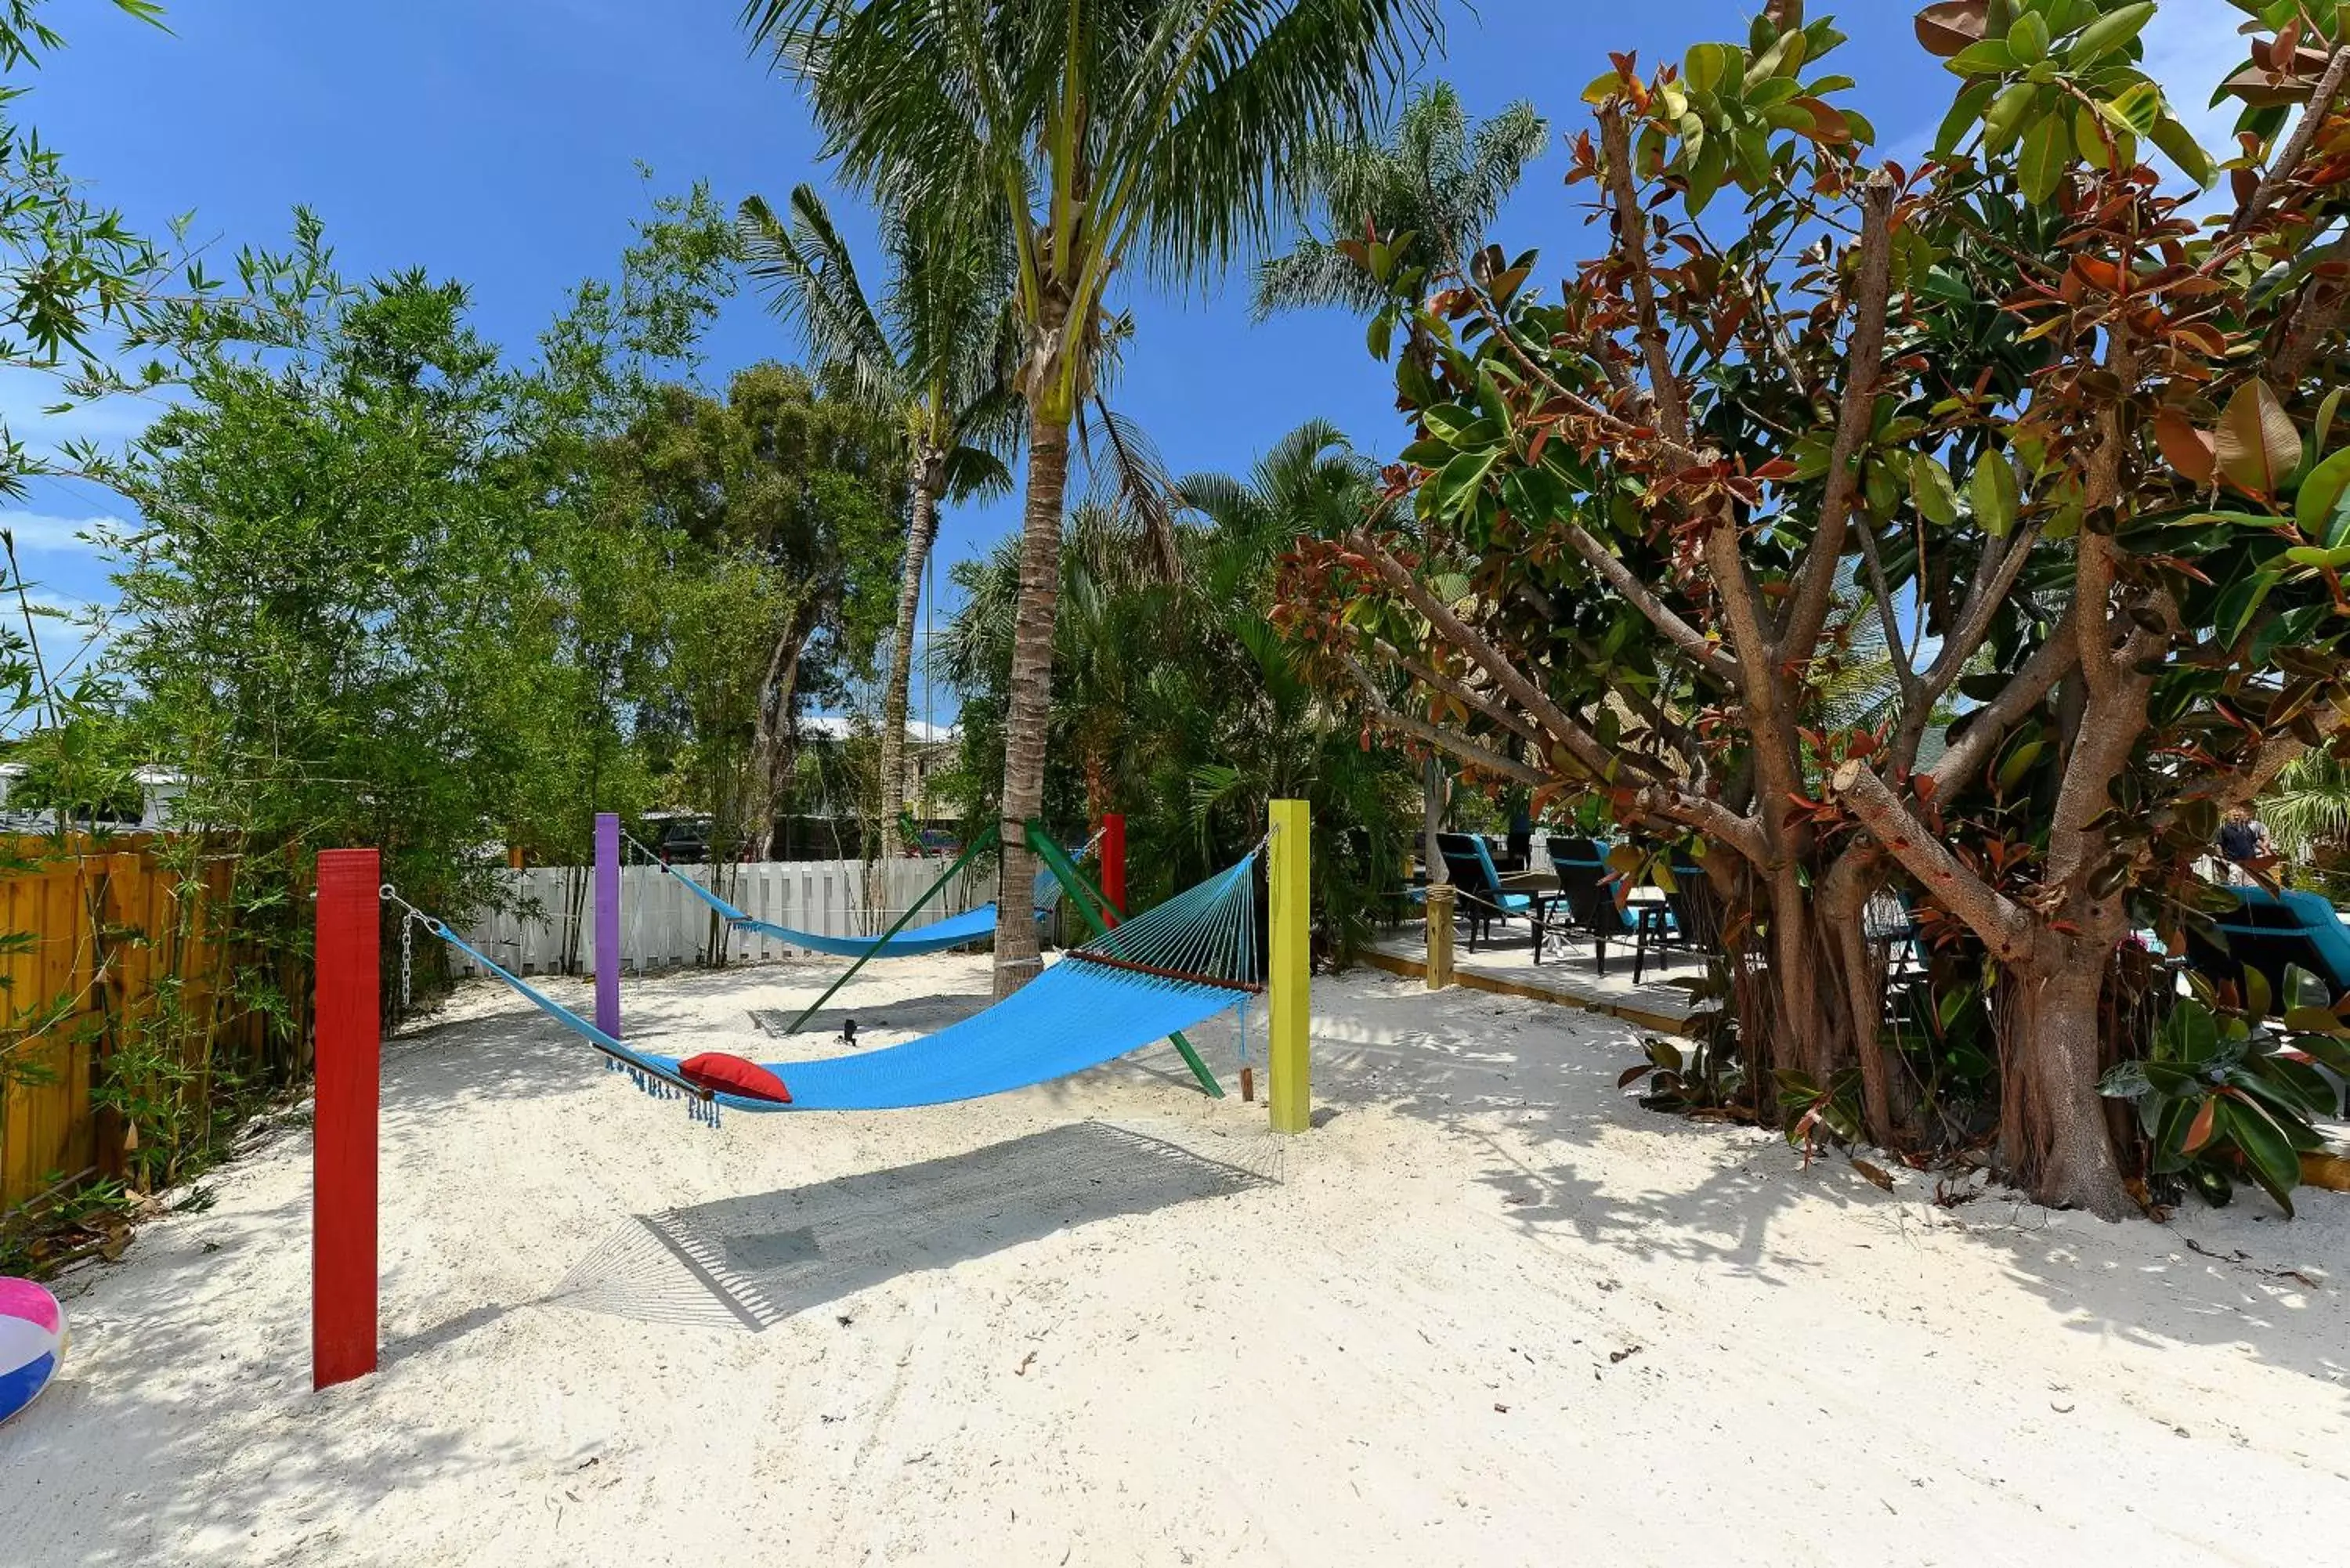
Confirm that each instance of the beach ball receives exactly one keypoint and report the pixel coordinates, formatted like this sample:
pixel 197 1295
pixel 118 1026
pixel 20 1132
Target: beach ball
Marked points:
pixel 32 1343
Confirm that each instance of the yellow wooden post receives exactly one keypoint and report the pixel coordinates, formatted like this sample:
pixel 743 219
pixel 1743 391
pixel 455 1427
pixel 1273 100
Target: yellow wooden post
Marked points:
pixel 1289 971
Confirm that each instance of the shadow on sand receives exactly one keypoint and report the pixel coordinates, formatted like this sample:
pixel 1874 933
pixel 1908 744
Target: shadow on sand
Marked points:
pixel 757 1260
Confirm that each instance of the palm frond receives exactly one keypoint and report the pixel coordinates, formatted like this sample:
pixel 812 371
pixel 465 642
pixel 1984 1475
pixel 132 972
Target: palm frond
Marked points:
pixel 810 281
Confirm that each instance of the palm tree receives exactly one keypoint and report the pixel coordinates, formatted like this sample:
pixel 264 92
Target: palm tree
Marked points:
pixel 935 357
pixel 1428 175
pixel 1182 706
pixel 1105 132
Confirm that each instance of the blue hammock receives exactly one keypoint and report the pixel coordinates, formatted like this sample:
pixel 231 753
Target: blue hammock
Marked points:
pixel 1073 1016
pixel 1169 970
pixel 954 931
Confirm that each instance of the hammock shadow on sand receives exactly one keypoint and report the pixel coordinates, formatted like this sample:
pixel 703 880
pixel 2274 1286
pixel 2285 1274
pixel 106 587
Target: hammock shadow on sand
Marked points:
pixel 909 1014
pixel 755 1261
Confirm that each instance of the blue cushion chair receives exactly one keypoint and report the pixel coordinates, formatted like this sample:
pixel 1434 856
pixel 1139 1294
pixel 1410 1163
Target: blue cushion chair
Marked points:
pixel 2267 933
pixel 1479 897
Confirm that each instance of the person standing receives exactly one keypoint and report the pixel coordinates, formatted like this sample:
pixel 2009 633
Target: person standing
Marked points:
pixel 2243 842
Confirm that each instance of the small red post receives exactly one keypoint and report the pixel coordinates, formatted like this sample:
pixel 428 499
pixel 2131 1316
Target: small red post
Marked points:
pixel 350 1088
pixel 1113 862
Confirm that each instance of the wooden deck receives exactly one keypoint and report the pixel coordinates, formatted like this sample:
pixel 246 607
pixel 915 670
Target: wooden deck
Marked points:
pixel 1503 964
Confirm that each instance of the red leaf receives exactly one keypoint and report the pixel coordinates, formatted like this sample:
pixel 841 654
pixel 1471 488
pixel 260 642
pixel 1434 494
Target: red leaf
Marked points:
pixel 2199 1131
pixel 2185 448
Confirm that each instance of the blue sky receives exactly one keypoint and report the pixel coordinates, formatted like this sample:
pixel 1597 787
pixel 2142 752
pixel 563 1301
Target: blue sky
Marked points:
pixel 498 144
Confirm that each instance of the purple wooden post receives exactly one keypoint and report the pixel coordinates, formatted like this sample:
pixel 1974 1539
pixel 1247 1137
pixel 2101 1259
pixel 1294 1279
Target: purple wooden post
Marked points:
pixel 607 923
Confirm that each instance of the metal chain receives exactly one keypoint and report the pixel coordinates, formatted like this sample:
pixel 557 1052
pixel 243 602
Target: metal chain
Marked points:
pixel 407 964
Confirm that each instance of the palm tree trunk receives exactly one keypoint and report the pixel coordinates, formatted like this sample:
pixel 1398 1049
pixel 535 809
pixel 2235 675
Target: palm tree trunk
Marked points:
pixel 1029 714
pixel 896 701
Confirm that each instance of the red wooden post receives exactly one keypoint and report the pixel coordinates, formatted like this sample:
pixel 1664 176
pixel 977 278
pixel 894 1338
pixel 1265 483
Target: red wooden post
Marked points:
pixel 343 1172
pixel 1113 862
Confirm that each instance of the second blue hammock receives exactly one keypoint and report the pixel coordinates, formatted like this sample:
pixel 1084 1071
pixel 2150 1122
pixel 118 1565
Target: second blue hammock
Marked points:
pixel 954 931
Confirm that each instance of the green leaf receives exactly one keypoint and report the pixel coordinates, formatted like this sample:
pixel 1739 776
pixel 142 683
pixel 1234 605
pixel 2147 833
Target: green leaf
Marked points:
pixel 1989 57
pixel 2047 151
pixel 1968 109
pixel 1706 175
pixel 2108 33
pixel 2018 766
pixel 1381 337
pixel 1930 487
pixel 1447 421
pixel 2135 108
pixel 2178 145
pixel 1994 491
pixel 1706 65
pixel 2027 41
pixel 2321 495
pixel 1457 486
pixel 2005 121
pixel 2269 1154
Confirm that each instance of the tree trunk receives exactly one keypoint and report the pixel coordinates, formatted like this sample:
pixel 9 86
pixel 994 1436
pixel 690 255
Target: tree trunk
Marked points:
pixel 771 751
pixel 895 702
pixel 1806 1038
pixel 1029 712
pixel 2054 1139
pixel 1844 916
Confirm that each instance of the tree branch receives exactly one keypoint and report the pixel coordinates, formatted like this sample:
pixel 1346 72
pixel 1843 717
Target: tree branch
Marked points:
pixel 2024 692
pixel 1524 728
pixel 1632 246
pixel 1444 740
pixel 1708 653
pixel 2002 923
pixel 1864 367
pixel 2296 147
pixel 1506 675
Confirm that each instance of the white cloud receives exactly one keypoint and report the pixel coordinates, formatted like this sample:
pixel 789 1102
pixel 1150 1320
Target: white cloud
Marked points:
pixel 38 533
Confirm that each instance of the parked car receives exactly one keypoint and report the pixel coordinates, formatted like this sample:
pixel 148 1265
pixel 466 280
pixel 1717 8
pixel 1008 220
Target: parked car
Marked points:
pixel 685 842
pixel 935 841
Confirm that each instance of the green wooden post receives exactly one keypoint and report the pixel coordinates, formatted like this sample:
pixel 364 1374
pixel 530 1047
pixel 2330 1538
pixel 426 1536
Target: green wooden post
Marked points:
pixel 1091 903
pixel 981 842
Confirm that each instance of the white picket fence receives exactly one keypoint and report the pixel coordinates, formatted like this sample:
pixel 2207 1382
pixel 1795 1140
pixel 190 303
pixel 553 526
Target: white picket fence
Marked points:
pixel 662 925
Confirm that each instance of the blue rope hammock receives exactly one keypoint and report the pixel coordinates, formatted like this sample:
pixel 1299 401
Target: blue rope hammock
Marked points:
pixel 939 936
pixel 1169 969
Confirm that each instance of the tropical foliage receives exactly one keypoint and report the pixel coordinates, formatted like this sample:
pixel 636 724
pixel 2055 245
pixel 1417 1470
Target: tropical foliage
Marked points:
pixel 2077 447
pixel 1177 705
pixel 1430 176
pixel 1099 134
pixel 934 358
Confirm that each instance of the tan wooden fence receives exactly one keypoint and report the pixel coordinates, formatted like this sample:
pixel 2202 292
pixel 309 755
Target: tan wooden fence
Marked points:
pixel 93 937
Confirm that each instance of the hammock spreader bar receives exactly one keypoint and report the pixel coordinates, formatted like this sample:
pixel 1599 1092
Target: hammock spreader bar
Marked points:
pixel 1094 904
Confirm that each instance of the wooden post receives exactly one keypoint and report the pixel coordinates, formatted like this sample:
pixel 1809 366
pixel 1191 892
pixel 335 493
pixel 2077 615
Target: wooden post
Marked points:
pixel 348 1021
pixel 1113 863
pixel 1289 966
pixel 1442 901
pixel 607 923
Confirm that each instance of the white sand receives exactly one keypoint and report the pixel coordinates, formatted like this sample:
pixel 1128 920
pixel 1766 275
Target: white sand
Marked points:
pixel 1490 1312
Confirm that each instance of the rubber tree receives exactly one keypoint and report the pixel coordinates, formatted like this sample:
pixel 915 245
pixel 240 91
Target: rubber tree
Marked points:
pixel 1109 133
pixel 933 356
pixel 2073 449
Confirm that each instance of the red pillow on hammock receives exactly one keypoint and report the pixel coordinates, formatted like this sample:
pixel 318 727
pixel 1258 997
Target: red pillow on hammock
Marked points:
pixel 725 1074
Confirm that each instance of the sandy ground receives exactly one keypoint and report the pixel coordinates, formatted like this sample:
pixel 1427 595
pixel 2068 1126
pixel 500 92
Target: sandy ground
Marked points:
pixel 1488 1312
